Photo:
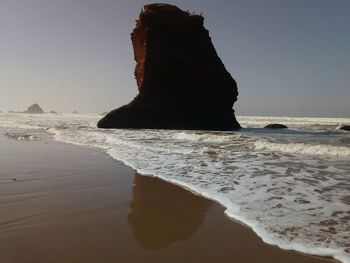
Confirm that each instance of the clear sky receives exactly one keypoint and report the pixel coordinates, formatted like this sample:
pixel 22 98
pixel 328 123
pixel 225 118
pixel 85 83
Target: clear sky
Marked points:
pixel 289 57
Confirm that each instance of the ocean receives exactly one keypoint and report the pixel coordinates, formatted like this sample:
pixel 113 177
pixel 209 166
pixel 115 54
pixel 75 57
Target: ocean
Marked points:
pixel 291 186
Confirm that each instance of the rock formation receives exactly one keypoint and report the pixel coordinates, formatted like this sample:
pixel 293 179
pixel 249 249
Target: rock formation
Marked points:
pixel 276 126
pixel 34 109
pixel 182 82
pixel 75 112
pixel 53 112
pixel 345 127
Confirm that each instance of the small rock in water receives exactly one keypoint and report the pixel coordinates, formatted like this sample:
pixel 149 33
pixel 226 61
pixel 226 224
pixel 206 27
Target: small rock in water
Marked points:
pixel 34 109
pixel 345 127
pixel 276 126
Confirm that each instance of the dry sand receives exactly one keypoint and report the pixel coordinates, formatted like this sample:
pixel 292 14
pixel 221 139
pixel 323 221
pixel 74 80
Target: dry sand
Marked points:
pixel 68 204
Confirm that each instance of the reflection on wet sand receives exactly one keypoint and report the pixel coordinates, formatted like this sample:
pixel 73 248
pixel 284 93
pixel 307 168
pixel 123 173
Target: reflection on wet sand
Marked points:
pixel 70 204
pixel 162 213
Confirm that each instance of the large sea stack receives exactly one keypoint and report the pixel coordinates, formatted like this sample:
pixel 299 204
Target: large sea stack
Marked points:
pixel 182 82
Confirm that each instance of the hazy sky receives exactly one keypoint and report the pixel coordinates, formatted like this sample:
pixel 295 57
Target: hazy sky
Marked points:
pixel 289 57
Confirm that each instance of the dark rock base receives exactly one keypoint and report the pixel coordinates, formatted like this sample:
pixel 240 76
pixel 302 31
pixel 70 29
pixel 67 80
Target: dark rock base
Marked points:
pixel 126 117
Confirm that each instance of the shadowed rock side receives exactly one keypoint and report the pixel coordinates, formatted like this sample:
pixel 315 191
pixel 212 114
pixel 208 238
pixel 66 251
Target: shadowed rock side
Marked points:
pixel 181 80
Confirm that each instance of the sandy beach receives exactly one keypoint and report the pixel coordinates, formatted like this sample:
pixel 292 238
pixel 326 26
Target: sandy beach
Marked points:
pixel 63 203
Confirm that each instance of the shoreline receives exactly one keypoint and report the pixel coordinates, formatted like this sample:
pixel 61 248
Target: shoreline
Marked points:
pixel 216 230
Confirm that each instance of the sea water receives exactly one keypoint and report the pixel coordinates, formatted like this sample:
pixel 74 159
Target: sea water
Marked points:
pixel 291 186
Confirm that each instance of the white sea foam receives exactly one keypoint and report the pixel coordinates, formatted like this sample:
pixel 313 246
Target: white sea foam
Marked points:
pixel 20 136
pixel 295 199
pixel 209 137
pixel 303 148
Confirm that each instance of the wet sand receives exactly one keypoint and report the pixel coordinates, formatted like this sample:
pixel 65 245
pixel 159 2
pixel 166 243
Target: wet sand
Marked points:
pixel 63 203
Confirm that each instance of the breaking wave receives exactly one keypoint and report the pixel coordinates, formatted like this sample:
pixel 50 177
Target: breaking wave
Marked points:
pixel 303 148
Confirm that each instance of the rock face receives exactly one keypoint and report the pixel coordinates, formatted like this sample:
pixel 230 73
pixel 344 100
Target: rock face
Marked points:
pixel 276 126
pixel 182 82
pixel 34 109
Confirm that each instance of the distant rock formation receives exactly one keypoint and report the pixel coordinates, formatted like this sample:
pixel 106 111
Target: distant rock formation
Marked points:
pixel 276 126
pixel 34 109
pixel 182 82
pixel 53 112
pixel 75 112
pixel 345 127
